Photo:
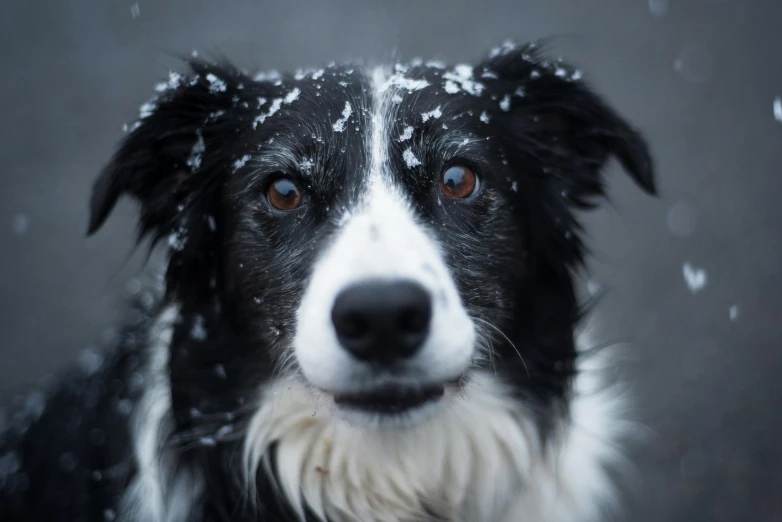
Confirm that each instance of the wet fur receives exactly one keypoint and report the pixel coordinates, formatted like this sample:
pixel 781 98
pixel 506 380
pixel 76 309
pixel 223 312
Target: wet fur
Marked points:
pixel 204 411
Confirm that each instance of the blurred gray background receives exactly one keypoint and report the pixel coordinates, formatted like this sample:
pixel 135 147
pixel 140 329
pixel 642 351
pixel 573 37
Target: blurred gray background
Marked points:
pixel 699 77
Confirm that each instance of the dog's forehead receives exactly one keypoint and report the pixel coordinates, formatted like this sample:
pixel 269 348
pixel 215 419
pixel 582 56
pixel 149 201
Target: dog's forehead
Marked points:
pixel 339 93
pixel 346 109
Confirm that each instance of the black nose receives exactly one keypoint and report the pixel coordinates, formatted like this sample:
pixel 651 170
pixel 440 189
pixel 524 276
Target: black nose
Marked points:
pixel 382 321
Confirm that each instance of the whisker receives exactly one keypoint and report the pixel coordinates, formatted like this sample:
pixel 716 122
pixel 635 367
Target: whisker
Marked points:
pixel 496 329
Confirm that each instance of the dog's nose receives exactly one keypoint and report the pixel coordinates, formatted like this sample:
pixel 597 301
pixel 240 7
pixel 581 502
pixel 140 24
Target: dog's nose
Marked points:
pixel 382 321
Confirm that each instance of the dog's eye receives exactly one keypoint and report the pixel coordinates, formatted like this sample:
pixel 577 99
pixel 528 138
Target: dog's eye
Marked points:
pixel 458 182
pixel 284 194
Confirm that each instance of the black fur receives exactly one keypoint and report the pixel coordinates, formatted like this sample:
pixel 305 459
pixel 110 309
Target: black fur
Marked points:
pixel 237 267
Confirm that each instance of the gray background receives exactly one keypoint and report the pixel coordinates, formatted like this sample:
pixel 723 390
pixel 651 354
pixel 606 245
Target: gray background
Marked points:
pixel 698 76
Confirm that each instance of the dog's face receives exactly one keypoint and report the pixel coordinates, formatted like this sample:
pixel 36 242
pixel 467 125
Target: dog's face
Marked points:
pixel 381 235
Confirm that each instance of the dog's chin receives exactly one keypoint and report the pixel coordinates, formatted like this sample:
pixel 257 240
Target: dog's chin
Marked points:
pixel 393 405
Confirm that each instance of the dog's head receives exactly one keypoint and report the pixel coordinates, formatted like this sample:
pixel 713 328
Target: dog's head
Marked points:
pixel 379 234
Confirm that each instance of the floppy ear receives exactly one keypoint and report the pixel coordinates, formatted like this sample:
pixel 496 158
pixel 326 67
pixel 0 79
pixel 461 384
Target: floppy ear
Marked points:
pixel 164 157
pixel 171 163
pixel 559 121
pixel 558 135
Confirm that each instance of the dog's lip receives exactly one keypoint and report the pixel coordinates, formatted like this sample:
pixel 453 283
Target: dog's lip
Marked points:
pixel 390 398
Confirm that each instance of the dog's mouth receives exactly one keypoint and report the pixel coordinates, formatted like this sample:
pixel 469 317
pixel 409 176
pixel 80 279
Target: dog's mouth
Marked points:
pixel 391 399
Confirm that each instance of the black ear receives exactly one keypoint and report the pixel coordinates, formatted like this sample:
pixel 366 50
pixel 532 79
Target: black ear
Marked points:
pixel 164 161
pixel 556 120
pixel 173 163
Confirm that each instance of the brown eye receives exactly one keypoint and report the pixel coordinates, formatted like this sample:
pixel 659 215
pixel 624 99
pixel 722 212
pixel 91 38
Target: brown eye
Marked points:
pixel 284 194
pixel 458 182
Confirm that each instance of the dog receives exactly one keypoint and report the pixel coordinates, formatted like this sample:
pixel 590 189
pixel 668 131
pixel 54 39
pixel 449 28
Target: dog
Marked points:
pixel 369 311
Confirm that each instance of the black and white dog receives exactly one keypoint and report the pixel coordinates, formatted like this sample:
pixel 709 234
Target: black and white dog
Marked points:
pixel 370 308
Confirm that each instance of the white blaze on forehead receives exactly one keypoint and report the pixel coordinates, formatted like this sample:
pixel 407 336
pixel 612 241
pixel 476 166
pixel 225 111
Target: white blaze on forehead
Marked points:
pixel 379 237
pixel 378 148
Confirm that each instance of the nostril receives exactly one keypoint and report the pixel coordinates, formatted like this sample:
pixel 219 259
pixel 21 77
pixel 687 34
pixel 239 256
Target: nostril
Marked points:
pixel 351 325
pixel 414 319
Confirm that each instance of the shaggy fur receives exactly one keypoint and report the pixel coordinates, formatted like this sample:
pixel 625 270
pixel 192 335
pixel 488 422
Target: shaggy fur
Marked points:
pixel 224 399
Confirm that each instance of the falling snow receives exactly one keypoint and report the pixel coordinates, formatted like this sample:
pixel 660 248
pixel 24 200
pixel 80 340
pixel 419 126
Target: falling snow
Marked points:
pixel 402 82
pixel 147 109
pixel 695 278
pixel 131 128
pixel 196 153
pixel 268 76
pixel 215 84
pixel 505 103
pixel 241 162
pixel 275 106
pixel 198 331
pixel 733 312
pixel 177 240
pixel 339 125
pixel 407 133
pixel 306 166
pixel 778 109
pixel 484 117
pixel 135 10
pixel 426 116
pixel 224 431
pixel 293 95
pixel 506 47
pixel 410 160
pixel 174 80
pixel 461 79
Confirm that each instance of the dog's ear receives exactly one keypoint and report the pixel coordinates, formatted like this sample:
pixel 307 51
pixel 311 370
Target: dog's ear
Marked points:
pixel 557 136
pixel 164 161
pixel 555 120
pixel 173 162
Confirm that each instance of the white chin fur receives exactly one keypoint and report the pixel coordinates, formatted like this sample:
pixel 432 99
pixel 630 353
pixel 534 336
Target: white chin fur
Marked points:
pixel 479 459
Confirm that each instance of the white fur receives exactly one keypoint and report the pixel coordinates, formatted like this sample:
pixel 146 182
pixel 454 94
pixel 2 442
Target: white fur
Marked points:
pixel 479 460
pixel 381 239
pixel 160 492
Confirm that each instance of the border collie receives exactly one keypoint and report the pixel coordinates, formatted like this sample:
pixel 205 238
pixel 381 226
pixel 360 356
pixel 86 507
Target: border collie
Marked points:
pixel 369 310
